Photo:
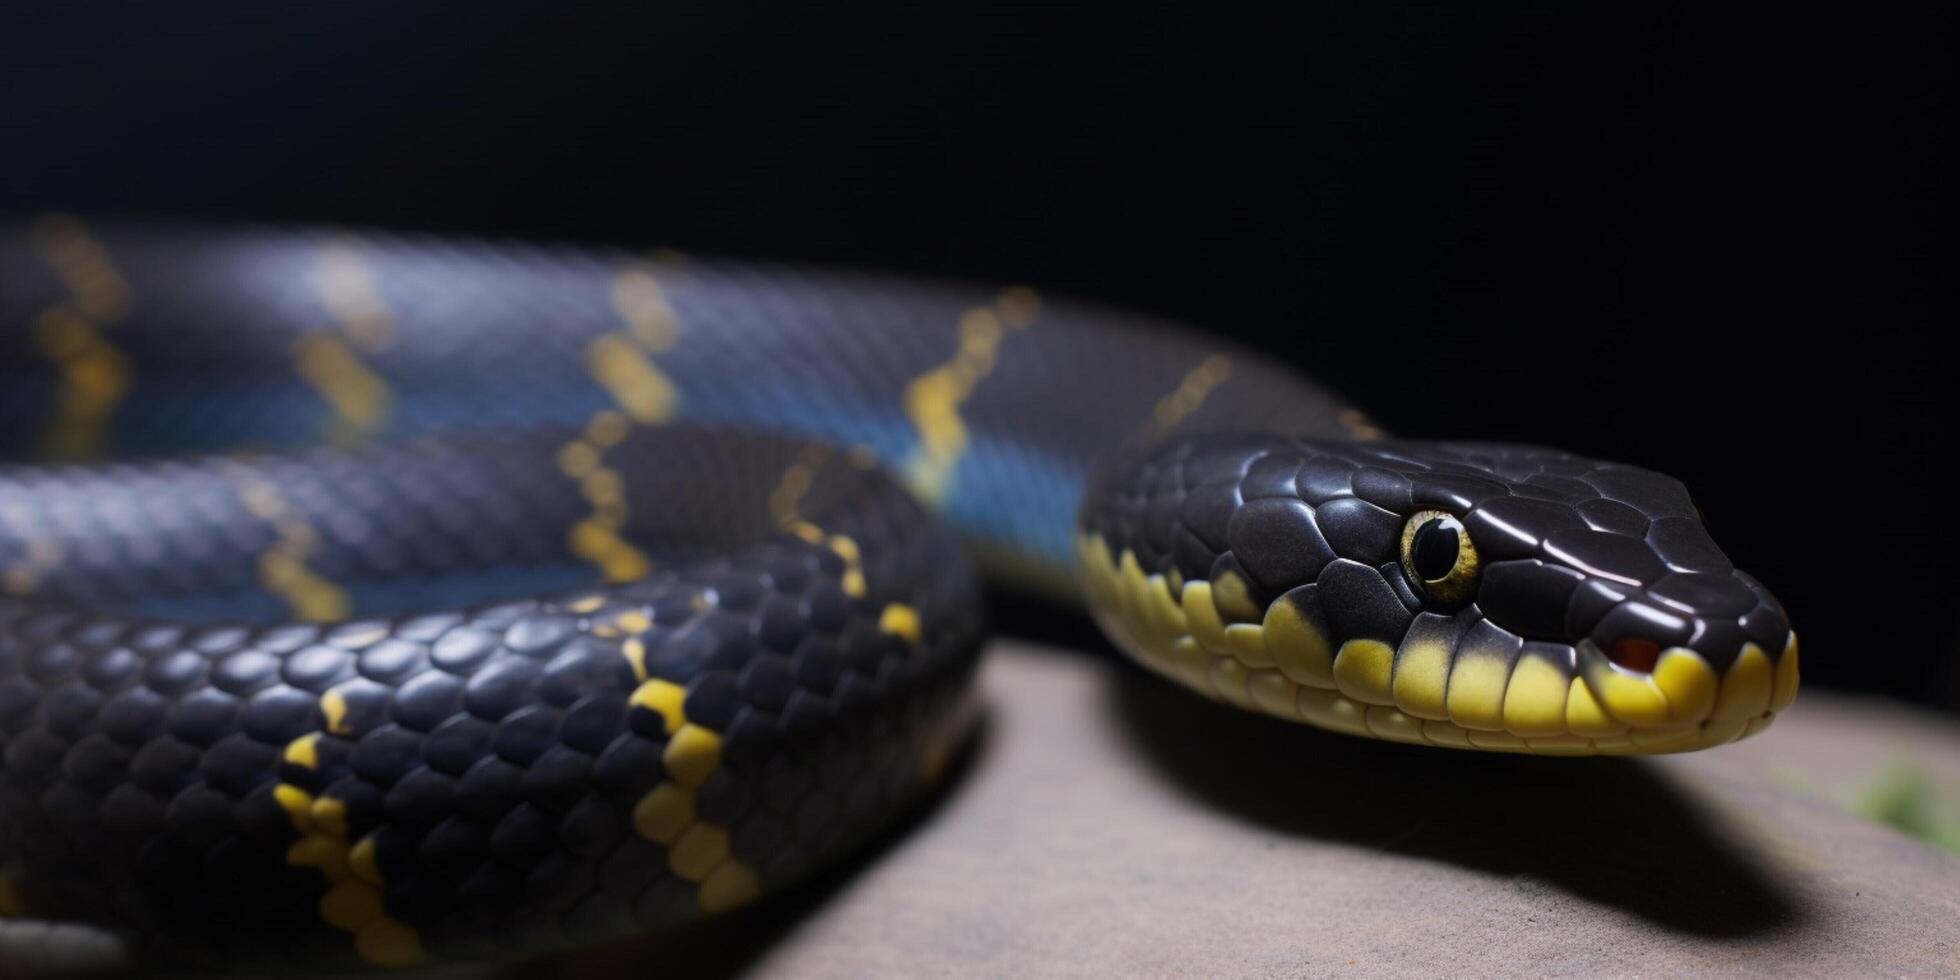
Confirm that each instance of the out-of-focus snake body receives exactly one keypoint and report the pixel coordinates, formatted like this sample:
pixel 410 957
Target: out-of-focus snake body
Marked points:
pixel 539 646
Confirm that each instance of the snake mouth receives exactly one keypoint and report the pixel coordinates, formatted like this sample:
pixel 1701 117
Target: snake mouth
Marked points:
pixel 1449 681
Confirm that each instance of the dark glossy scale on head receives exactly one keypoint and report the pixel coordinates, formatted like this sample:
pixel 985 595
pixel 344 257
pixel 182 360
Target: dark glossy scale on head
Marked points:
pixel 1278 542
pixel 1359 602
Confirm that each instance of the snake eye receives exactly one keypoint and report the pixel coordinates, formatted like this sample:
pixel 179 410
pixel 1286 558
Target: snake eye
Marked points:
pixel 1438 557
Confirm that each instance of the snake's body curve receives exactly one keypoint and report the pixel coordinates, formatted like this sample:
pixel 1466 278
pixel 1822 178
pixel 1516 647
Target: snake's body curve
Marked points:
pixel 529 658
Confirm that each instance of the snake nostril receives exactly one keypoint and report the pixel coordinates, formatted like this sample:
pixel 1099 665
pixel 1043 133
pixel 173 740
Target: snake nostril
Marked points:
pixel 1635 653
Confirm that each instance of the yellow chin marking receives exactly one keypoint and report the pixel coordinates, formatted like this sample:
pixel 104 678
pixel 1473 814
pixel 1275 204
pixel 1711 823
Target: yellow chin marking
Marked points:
pixel 1745 692
pixel 1386 722
pixel 1445 734
pixel 1247 641
pixel 1190 664
pixel 1688 684
pixel 1213 638
pixel 1234 599
pixel 1230 680
pixel 1534 702
pixel 1680 740
pixel 1298 648
pixel 1202 615
pixel 1364 670
pixel 1633 699
pixel 1476 695
pixel 1497 741
pixel 1560 745
pixel 1584 715
pixel 1274 693
pixel 1332 711
pixel 1422 680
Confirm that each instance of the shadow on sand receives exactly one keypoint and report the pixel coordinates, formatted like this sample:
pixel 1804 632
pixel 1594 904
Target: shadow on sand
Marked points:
pixel 1616 832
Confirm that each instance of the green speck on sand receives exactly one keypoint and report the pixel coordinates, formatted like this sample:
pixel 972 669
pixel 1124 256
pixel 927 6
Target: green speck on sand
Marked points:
pixel 1907 798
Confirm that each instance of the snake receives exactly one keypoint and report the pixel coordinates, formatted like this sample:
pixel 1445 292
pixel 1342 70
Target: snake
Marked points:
pixel 370 599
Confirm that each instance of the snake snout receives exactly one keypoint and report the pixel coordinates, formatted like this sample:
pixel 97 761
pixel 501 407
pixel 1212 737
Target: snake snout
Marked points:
pixel 1710 656
pixel 1713 614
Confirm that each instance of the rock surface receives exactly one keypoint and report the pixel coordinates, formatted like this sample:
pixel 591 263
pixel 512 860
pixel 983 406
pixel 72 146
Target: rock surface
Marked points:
pixel 1108 824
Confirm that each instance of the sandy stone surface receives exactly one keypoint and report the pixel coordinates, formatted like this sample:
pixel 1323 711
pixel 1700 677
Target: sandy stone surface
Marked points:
pixel 1109 825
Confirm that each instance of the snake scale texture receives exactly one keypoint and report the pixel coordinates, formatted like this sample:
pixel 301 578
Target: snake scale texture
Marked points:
pixel 371 600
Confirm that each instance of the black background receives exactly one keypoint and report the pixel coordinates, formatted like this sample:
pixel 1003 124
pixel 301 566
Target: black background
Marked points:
pixel 1704 242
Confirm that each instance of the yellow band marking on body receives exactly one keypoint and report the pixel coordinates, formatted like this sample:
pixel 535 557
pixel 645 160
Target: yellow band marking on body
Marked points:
pixel 852 580
pixel 786 499
pixel 698 850
pixel 304 751
pixel 1285 664
pixel 784 506
pixel 95 379
pixel 586 604
pixel 663 698
pixel 622 362
pixel 635 650
pixel 333 707
pixel 329 359
pixel 639 300
pixel 354 901
pixel 597 540
pixel 282 566
pixel 94 374
pixel 933 399
pixel 359 398
pixel 12 905
pixel 1191 392
pixel 628 374
pixel 900 620
pixel 347 288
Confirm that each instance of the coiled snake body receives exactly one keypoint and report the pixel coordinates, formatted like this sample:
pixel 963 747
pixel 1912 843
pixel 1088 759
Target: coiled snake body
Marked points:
pixel 517 660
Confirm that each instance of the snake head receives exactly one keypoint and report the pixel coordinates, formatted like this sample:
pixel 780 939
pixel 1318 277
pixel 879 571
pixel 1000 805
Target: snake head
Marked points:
pixel 1472 595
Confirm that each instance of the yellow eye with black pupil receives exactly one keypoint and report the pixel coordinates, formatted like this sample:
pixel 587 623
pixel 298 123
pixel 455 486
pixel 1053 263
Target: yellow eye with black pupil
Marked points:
pixel 1438 557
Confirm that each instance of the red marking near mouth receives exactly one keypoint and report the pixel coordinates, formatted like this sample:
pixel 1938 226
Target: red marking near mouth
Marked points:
pixel 1635 653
